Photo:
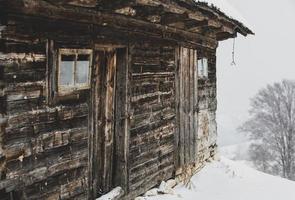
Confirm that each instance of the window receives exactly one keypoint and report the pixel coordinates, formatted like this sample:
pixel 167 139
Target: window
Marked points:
pixel 203 68
pixel 74 69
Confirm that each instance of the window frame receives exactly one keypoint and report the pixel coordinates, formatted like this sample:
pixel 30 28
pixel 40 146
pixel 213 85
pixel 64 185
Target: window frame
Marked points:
pixel 203 75
pixel 63 89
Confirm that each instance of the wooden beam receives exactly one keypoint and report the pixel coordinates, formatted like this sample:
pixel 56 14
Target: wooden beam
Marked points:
pixel 128 11
pixel 40 8
pixel 121 146
pixel 192 24
pixel 171 18
pixel 225 35
pixel 112 5
pixel 83 3
pixel 208 26
pixel 172 8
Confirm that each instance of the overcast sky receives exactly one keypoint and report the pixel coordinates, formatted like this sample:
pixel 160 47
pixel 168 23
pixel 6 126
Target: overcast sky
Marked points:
pixel 267 57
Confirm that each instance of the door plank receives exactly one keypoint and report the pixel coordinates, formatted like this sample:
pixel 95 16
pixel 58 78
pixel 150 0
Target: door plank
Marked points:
pixel 121 142
pixel 109 119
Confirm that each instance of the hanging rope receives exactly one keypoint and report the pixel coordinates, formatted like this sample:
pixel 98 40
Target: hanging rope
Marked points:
pixel 233 63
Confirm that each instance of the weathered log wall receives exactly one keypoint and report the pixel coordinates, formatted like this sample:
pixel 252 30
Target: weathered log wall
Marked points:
pixel 153 120
pixel 44 151
pixel 207 105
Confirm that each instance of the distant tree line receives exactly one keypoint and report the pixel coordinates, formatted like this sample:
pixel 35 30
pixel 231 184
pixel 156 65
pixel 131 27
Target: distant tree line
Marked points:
pixel 272 126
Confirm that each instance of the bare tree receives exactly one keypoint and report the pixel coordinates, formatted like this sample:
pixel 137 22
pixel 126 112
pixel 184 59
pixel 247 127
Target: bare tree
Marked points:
pixel 272 126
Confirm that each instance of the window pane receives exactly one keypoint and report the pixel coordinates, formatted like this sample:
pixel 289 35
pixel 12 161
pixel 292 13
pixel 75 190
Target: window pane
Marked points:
pixel 205 63
pixel 203 67
pixel 200 67
pixel 66 70
pixel 82 70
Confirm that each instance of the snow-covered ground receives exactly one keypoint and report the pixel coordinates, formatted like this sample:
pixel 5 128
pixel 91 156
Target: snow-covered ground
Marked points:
pixel 231 180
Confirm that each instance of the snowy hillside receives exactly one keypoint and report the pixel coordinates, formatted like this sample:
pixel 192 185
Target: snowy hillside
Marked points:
pixel 238 151
pixel 230 180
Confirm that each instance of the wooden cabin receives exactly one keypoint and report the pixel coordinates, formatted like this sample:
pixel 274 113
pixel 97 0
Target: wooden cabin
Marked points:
pixel 96 94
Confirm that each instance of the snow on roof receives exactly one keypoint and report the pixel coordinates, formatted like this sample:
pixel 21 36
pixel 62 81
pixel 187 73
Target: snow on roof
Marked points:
pixel 227 9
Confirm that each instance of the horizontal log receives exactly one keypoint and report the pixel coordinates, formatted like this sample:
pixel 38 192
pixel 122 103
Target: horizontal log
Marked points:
pixel 7 47
pixel 151 181
pixel 23 57
pixel 80 3
pixel 158 152
pixel 73 188
pixel 110 20
pixel 48 115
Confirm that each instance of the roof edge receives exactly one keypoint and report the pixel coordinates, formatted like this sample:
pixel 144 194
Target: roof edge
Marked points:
pixel 240 26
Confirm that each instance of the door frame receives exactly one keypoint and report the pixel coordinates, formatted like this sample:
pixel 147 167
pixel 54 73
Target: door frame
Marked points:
pixel 109 120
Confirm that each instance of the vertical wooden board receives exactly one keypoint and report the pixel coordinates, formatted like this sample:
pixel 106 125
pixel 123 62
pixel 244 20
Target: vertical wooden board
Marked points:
pixel 195 106
pixel 3 124
pixel 109 119
pixel 121 146
pixel 186 89
pixel 91 131
pixel 195 99
pixel 50 68
pixel 128 111
pixel 177 103
pixel 97 103
pixel 191 105
pixel 181 109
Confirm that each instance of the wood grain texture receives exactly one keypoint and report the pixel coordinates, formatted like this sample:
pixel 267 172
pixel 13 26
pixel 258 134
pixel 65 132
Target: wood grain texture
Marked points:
pixel 146 115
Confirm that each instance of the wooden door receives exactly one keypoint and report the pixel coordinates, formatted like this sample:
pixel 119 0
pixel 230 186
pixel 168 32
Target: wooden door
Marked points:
pixel 107 143
pixel 102 120
pixel 186 100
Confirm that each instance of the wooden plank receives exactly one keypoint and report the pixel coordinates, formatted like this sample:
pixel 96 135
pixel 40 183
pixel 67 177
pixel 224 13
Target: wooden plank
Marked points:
pixel 82 3
pixel 186 89
pixel 92 130
pixel 42 9
pixel 191 104
pixel 187 116
pixel 121 145
pixel 98 105
pixel 172 8
pixel 195 105
pixel 177 108
pixel 182 110
pixel 109 119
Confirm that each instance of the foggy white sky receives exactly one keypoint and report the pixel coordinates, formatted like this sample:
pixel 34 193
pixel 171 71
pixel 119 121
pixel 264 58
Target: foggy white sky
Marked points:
pixel 267 57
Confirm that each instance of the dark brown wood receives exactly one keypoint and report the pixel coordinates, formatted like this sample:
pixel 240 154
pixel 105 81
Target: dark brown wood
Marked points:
pixel 105 19
pixel 99 105
pixel 195 106
pixel 147 116
pixel 121 145
pixel 177 144
pixel 80 3
pixel 108 117
pixel 182 108
pixel 192 91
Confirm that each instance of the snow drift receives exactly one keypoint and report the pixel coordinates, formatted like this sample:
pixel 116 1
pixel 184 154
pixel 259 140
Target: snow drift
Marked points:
pixel 230 180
